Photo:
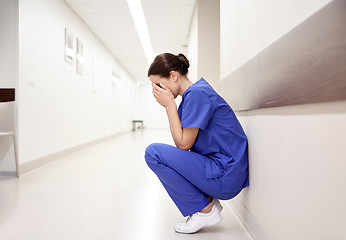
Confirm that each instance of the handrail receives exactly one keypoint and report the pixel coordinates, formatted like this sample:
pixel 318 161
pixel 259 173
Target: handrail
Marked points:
pixel 307 65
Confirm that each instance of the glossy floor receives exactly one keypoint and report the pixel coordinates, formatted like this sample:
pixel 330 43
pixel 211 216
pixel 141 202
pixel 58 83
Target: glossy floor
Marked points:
pixel 105 191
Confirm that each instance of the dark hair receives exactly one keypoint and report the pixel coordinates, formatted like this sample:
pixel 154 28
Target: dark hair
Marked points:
pixel 164 63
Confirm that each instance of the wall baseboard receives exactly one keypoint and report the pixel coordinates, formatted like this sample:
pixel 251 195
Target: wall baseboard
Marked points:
pixel 34 164
pixel 248 221
pixel 239 218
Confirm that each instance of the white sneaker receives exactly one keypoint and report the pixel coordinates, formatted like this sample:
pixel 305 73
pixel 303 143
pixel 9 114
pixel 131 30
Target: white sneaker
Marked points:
pixel 199 220
pixel 217 203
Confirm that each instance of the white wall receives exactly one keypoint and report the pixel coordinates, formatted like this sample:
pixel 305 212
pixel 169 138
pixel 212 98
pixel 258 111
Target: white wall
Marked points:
pixel 296 153
pixel 297 172
pixel 7 156
pixel 8 43
pixel 249 26
pixel 204 42
pixel 209 40
pixel 64 109
pixel 8 77
pixel 193 48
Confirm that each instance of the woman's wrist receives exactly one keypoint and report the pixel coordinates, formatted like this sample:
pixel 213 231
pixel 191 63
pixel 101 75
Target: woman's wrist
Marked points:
pixel 171 105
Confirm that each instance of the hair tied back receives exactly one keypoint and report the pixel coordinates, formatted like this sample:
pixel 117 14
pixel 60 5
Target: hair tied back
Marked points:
pixel 164 63
pixel 183 60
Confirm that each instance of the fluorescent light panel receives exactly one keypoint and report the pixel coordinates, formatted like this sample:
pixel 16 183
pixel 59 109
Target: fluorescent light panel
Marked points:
pixel 137 13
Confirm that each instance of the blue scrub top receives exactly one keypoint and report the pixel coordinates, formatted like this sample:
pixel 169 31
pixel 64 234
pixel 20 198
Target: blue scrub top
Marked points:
pixel 221 137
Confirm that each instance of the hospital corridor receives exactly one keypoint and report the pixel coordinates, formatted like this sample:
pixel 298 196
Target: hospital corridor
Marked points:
pixel 172 119
pixel 102 192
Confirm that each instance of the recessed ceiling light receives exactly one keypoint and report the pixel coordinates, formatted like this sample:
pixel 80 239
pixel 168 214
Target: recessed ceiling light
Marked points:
pixel 137 13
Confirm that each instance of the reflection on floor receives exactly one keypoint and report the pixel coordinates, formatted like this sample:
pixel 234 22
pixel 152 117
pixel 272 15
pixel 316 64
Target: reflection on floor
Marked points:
pixel 105 191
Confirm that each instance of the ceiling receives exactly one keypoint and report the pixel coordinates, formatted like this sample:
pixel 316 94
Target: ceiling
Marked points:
pixel 168 24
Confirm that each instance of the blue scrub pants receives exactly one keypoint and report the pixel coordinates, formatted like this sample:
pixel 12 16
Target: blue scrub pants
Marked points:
pixel 183 174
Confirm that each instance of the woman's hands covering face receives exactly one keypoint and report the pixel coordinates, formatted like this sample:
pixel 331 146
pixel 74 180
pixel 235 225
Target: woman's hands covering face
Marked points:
pixel 163 95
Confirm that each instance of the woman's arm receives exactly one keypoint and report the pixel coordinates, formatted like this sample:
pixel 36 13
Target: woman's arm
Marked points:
pixel 183 138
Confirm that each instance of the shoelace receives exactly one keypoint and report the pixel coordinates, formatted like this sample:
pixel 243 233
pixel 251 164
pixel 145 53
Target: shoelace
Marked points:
pixel 190 217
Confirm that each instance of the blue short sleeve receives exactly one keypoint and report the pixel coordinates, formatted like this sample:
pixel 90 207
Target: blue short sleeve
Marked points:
pixel 197 110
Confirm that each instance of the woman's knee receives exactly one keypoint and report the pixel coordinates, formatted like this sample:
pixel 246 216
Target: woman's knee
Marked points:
pixel 152 152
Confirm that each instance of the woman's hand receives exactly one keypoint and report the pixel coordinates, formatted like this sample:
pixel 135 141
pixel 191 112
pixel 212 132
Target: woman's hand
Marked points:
pixel 183 137
pixel 163 95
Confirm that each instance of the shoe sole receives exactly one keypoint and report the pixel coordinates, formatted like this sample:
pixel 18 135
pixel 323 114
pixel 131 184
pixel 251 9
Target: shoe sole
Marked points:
pixel 211 223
